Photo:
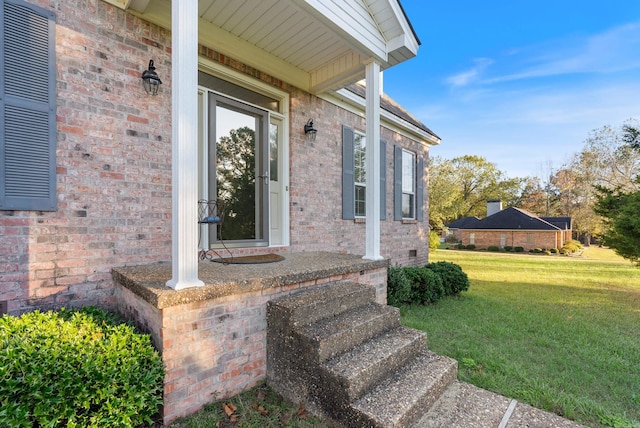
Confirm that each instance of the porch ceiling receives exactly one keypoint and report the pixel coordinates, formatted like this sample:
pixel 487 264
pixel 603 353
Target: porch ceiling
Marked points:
pixel 317 45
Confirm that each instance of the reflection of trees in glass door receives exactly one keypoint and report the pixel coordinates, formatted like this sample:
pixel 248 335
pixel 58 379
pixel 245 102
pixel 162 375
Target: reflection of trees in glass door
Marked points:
pixel 240 156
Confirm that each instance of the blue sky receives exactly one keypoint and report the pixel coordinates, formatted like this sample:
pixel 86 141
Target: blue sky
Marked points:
pixel 521 83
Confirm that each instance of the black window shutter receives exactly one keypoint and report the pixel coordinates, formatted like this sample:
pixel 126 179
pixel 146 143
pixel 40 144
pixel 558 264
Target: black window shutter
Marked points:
pixel 27 107
pixel 397 183
pixel 348 183
pixel 420 189
pixel 383 180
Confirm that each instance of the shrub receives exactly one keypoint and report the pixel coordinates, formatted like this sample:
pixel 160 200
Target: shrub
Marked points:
pixel 493 248
pixel 518 249
pixel 461 246
pixel 508 248
pixel 77 368
pixel 453 277
pixel 553 251
pixel 434 240
pixel 426 284
pixel 571 246
pixel 470 247
pixel 399 287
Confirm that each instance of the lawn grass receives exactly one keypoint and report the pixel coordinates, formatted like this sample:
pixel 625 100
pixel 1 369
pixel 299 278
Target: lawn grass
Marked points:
pixel 560 333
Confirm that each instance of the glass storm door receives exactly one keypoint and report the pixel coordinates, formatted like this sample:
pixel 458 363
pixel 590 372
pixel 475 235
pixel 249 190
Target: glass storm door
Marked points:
pixel 238 172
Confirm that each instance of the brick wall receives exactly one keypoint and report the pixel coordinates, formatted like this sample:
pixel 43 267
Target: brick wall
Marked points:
pixel 113 165
pixel 316 188
pixel 217 348
pixel 114 172
pixel 525 239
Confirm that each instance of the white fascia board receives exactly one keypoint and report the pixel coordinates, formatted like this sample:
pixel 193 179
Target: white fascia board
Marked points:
pixel 355 104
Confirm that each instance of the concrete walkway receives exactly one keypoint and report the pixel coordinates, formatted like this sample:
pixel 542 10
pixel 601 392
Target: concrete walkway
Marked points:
pixel 467 406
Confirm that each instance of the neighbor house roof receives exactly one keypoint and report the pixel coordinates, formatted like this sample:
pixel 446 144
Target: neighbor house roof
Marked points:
pixel 463 223
pixel 512 219
pixel 560 222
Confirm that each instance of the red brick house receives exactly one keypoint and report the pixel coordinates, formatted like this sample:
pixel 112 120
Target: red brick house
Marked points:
pixel 515 228
pixel 96 174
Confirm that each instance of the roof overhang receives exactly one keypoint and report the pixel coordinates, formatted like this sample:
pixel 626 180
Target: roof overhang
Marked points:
pixel 316 45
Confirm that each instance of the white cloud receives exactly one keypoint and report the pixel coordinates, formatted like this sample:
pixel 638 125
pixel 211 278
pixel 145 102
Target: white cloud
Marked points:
pixel 470 76
pixel 615 50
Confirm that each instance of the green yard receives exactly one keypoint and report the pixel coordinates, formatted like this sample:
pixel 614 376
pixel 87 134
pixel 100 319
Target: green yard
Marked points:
pixel 560 333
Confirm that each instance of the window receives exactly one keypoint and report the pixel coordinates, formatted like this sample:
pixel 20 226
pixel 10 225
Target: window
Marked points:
pixel 360 173
pixel 354 175
pixel 408 185
pixel 27 108
pixel 472 239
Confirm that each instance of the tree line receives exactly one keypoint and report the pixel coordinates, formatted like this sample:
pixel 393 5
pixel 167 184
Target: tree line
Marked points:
pixel 599 188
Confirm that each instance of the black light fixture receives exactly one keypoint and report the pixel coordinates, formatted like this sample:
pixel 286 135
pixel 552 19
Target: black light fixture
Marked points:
pixel 150 80
pixel 310 131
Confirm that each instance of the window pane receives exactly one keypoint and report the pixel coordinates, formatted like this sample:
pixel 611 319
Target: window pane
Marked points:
pixel 273 152
pixel 407 205
pixel 361 201
pixel 360 173
pixel 359 151
pixel 408 172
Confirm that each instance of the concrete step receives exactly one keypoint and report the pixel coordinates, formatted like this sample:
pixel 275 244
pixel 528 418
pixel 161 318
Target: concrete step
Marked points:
pixel 310 306
pixel 355 371
pixel 329 337
pixel 402 399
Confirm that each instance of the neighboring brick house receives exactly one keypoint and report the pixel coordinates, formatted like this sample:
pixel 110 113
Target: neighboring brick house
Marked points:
pixel 97 174
pixel 516 228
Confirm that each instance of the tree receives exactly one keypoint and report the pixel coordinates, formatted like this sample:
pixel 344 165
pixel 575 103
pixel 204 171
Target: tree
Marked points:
pixel 460 187
pixel 533 198
pixel 620 206
pixel 235 182
pixel 606 161
pixel 622 213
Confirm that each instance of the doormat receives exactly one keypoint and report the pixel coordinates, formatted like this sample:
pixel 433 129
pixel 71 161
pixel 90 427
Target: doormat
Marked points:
pixel 260 258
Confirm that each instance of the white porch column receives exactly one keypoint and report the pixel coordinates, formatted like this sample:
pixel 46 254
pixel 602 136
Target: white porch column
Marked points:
pixel 372 116
pixel 184 144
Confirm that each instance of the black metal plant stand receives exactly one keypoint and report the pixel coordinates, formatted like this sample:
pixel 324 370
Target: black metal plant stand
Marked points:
pixel 211 213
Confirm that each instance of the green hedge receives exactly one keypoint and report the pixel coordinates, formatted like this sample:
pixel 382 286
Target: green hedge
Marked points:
pixel 453 277
pixel 76 368
pixel 425 284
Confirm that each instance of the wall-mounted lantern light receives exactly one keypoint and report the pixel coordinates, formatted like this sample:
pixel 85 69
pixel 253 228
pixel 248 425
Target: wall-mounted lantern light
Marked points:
pixel 310 131
pixel 150 80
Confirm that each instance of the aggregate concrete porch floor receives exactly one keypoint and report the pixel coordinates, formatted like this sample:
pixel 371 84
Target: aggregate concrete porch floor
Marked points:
pixel 149 281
